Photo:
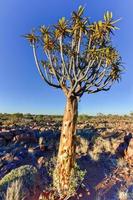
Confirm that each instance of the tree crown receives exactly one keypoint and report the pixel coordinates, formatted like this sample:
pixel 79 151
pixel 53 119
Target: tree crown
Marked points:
pixel 77 56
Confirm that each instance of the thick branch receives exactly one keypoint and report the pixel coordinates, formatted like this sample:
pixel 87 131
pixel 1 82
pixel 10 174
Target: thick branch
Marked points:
pixel 78 48
pixel 51 64
pixel 40 71
pixel 101 88
pixel 63 61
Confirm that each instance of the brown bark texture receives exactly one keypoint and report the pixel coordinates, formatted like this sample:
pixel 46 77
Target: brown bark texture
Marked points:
pixel 66 153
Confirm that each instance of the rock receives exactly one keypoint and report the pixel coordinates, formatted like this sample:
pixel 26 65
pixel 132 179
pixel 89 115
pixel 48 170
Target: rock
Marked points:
pixel 42 143
pixel 129 151
pixel 41 161
pixel 16 158
pixel 31 150
pixel 42 129
pixel 8 157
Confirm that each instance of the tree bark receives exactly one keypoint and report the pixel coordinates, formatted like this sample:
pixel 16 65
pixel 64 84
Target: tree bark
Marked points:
pixel 66 153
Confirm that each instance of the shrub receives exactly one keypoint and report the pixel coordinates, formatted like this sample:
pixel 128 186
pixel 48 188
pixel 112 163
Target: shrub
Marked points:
pixel 77 176
pixel 28 175
pixel 15 191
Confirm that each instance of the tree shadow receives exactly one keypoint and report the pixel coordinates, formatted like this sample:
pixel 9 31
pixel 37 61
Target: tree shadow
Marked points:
pixel 95 172
pixel 98 170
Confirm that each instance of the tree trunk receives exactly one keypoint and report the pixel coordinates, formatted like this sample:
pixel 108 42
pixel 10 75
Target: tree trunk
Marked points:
pixel 66 153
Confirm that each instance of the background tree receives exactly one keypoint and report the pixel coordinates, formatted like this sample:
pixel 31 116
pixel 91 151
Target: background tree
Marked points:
pixel 131 114
pixel 77 57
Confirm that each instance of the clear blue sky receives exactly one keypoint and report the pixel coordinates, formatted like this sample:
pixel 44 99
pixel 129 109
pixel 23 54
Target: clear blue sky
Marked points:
pixel 21 88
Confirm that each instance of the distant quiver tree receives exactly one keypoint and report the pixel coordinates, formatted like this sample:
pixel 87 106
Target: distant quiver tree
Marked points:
pixel 77 57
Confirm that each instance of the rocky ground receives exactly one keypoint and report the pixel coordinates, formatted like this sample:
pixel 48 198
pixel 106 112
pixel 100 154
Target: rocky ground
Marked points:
pixel 104 149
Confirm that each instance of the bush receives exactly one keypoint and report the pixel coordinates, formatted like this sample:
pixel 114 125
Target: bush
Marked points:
pixel 27 174
pixel 15 191
pixel 77 176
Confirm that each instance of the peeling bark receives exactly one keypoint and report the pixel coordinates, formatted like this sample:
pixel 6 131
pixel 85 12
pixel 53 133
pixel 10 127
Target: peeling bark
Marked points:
pixel 66 154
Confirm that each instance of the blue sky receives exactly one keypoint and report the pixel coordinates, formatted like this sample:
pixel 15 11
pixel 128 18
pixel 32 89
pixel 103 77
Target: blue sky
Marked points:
pixel 21 88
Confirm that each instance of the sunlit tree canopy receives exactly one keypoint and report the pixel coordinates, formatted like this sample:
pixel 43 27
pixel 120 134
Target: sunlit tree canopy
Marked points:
pixel 77 55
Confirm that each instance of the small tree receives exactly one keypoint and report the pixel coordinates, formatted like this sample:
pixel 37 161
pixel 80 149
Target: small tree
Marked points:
pixel 78 57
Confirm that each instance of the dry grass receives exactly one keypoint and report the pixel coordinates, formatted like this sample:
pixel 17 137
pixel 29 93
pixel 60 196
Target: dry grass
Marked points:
pixel 14 191
pixel 100 145
pixel 122 195
pixel 121 162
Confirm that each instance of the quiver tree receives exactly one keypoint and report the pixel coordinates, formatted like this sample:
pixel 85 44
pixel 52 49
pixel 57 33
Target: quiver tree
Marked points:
pixel 77 57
